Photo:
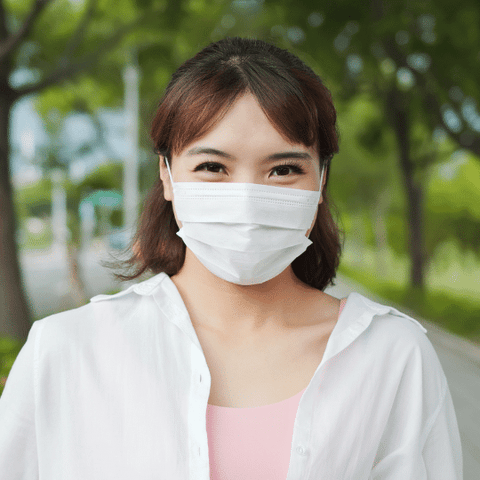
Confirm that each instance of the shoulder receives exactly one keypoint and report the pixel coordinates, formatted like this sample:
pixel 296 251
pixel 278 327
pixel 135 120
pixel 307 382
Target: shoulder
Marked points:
pixel 101 317
pixel 88 314
pixel 387 320
pixel 403 346
pixel 68 319
pixel 400 329
pixel 405 343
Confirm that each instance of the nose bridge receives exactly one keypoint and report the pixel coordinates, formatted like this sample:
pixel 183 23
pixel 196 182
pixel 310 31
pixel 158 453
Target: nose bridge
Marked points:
pixel 247 174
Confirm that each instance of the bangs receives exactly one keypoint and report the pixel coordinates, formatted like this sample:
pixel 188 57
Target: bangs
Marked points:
pixel 200 104
pixel 290 99
pixel 289 107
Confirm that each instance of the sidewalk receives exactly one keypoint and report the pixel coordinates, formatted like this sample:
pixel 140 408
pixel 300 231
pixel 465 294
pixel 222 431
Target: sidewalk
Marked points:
pixel 48 283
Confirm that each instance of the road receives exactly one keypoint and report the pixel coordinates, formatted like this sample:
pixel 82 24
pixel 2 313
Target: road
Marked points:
pixel 47 283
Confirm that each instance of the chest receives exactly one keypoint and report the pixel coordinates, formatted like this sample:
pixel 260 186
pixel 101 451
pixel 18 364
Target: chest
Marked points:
pixel 251 372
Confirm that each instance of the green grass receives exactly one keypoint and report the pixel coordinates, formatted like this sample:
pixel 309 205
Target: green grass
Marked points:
pixel 37 241
pixel 9 349
pixel 447 307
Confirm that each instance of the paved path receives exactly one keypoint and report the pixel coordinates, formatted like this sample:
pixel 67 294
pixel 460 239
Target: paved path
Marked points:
pixel 47 283
pixel 460 360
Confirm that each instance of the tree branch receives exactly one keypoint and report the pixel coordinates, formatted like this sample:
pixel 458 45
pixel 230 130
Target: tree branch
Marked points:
pixel 10 43
pixel 433 105
pixel 472 145
pixel 3 23
pixel 66 70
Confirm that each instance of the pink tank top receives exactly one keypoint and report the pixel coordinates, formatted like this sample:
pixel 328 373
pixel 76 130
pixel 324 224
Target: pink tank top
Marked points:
pixel 254 442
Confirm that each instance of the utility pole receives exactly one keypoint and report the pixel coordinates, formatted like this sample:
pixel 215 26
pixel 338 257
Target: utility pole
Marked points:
pixel 27 145
pixel 131 77
pixel 87 225
pixel 59 213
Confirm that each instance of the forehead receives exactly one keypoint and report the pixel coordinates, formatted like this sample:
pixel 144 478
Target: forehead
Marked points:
pixel 246 128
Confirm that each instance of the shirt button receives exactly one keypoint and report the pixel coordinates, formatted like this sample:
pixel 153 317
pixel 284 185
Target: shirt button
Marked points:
pixel 301 450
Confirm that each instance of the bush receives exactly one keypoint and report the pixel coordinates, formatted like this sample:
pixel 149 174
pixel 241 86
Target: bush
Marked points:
pixel 9 350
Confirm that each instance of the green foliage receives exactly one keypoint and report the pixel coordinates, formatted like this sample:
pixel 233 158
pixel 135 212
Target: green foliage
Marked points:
pixel 116 218
pixel 9 349
pixel 160 42
pixel 397 230
pixel 81 95
pixel 453 312
pixel 362 49
pixel 453 205
pixel 372 137
pixel 37 241
pixel 364 54
pixel 34 200
pixel 361 170
pixel 456 187
pixel 108 176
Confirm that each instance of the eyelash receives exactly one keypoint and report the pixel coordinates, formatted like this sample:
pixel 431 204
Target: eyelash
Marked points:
pixel 295 167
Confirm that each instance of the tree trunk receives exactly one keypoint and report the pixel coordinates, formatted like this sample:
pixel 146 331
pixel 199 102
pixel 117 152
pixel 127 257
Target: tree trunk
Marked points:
pixel 14 313
pixel 78 293
pixel 397 113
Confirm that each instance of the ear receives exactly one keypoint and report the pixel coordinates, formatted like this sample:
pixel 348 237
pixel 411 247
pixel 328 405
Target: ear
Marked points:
pixel 165 178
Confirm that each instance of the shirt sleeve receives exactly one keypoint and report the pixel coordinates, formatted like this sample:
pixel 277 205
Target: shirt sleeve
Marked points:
pixel 18 447
pixel 442 451
pixel 434 455
pixel 420 439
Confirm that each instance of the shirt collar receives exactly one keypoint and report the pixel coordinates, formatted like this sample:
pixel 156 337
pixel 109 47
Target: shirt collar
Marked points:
pixel 355 317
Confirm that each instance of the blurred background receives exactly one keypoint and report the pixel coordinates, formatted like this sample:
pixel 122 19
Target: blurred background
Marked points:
pixel 80 81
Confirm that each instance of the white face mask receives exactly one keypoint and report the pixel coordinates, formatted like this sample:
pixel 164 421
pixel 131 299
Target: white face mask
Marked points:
pixel 244 233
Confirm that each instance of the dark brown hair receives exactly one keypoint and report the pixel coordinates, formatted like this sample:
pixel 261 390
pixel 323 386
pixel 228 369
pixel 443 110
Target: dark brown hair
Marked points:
pixel 199 94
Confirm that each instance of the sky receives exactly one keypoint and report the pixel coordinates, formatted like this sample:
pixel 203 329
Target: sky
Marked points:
pixel 27 135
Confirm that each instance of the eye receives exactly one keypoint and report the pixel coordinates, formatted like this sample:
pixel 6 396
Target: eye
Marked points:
pixel 283 170
pixel 211 167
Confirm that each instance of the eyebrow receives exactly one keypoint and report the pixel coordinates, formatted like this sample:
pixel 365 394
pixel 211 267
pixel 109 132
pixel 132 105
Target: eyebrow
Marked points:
pixel 274 156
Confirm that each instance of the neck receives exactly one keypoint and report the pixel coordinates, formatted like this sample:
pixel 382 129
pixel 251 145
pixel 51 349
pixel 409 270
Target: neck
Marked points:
pixel 223 306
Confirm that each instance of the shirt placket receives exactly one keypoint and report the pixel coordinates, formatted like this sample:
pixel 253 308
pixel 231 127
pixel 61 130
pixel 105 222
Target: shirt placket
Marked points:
pixel 199 392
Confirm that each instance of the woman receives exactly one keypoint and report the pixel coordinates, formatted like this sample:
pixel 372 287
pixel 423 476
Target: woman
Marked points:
pixel 232 362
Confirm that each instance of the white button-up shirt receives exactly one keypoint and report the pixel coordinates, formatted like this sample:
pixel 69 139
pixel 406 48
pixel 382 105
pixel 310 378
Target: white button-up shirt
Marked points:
pixel 118 390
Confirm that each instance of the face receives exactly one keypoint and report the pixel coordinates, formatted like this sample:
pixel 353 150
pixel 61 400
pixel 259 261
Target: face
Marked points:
pixel 244 147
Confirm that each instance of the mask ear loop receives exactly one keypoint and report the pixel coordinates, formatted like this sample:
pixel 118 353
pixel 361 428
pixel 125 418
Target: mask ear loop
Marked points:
pixel 169 172
pixel 321 181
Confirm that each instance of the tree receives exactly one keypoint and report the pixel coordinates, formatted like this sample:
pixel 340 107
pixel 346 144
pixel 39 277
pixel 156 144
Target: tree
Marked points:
pixel 87 42
pixel 418 61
